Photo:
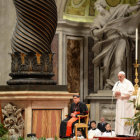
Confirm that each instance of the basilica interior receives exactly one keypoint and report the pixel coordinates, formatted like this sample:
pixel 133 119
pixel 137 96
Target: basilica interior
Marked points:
pixel 70 67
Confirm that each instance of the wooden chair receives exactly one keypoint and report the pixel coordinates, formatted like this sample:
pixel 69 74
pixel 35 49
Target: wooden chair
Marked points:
pixel 83 125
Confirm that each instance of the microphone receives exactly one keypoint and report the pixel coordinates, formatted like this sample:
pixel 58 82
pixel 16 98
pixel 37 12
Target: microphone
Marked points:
pixel 117 83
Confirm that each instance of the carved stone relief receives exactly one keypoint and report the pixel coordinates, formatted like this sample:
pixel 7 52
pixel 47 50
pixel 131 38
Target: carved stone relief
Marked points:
pixel 13 119
pixel 108 112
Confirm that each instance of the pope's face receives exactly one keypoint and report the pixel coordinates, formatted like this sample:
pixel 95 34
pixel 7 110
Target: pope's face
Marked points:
pixel 121 77
pixel 76 100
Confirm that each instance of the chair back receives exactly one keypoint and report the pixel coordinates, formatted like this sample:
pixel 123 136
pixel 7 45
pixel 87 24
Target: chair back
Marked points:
pixel 87 118
pixel 85 124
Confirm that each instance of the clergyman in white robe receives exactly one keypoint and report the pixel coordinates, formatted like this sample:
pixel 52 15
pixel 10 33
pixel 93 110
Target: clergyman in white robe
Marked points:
pixel 94 133
pixel 124 109
pixel 108 134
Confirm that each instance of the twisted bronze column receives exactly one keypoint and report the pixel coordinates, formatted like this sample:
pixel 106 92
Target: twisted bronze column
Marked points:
pixel 31 42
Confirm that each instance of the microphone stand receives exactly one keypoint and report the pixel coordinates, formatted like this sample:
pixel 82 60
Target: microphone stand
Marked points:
pixel 111 113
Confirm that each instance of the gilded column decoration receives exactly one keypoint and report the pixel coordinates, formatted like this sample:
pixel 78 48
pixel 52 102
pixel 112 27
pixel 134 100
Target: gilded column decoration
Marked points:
pixel 31 42
pixel 79 10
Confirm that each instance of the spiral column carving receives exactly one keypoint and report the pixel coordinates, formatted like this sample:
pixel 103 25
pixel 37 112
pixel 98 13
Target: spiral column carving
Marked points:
pixel 31 42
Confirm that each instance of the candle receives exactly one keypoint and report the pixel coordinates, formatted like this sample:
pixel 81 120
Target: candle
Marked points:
pixel 136 49
pixel 138 99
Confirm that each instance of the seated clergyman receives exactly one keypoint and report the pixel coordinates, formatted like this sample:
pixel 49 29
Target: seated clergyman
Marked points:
pixel 77 108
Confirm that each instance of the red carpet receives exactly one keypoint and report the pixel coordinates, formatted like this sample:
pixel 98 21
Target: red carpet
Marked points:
pixel 118 138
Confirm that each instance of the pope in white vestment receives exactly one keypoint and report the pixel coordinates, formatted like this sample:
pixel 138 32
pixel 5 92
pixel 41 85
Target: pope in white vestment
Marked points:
pixel 123 90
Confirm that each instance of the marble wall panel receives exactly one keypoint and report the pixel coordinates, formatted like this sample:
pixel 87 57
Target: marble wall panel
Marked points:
pixel 90 66
pixel 54 48
pixel 45 123
pixel 73 65
pixel 108 112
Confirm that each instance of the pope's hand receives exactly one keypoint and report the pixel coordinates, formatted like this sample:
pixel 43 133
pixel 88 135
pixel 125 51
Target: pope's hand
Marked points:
pixel 125 97
pixel 117 93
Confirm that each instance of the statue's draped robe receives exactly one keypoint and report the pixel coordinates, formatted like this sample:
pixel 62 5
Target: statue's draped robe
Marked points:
pixel 117 39
pixel 124 109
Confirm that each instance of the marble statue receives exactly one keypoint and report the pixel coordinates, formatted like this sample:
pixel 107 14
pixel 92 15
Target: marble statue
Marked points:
pixel 13 119
pixel 113 31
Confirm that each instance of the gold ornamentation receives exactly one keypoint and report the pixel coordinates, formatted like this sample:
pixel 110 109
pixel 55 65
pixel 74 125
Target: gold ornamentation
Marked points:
pixel 113 3
pixel 22 58
pixel 50 57
pixel 38 58
pixel 77 3
pixel 128 123
pixel 136 86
